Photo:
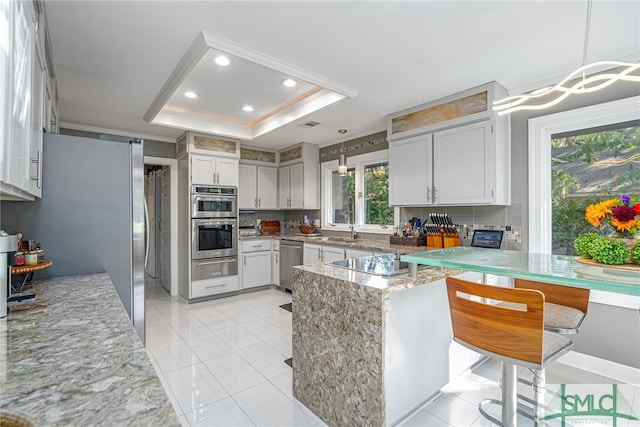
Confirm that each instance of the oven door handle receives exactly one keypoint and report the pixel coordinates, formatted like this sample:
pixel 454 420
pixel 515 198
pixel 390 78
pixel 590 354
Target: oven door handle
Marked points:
pixel 222 261
pixel 203 221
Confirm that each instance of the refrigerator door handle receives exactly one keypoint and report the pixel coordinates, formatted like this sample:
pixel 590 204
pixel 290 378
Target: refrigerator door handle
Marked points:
pixel 146 232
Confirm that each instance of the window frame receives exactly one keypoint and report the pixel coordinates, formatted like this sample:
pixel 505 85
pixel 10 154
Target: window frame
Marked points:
pixel 541 130
pixel 358 163
pixel 539 198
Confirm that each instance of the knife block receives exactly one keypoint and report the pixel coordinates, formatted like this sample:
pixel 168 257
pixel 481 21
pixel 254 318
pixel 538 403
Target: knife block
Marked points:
pixel 443 240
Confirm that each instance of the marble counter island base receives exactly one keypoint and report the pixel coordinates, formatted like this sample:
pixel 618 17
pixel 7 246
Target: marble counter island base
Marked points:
pixel 368 350
pixel 75 359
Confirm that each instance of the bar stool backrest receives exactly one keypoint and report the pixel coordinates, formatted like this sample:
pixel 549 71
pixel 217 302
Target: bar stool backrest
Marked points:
pixel 515 333
pixel 558 294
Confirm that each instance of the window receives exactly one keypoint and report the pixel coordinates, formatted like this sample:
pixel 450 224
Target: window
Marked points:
pixel 541 130
pixel 361 197
pixel 588 167
pixel 376 195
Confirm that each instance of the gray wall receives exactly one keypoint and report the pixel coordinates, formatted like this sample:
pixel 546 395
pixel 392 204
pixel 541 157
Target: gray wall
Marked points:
pixel 151 148
pixel 83 219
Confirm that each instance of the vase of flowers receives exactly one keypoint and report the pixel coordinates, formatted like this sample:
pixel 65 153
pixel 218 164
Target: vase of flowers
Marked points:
pixel 621 219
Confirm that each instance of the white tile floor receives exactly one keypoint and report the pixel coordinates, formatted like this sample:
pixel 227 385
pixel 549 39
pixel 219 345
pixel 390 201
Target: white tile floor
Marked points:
pixel 222 364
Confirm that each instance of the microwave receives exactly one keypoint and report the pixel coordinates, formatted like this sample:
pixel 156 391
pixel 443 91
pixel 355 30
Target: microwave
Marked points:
pixel 214 202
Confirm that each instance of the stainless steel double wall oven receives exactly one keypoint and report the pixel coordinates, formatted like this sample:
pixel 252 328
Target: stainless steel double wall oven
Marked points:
pixel 214 228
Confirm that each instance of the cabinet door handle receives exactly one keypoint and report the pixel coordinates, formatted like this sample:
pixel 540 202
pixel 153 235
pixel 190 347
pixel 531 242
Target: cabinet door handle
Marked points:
pixel 38 177
pixel 244 259
pixel 277 258
pixel 258 201
pixel 434 193
pixel 216 286
pixel 428 194
pixel 255 202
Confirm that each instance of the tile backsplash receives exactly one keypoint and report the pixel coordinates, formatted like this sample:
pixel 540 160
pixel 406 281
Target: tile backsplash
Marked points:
pixel 469 218
pixel 288 219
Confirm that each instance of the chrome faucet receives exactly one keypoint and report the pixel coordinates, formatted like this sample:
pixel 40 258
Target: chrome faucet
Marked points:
pixel 354 233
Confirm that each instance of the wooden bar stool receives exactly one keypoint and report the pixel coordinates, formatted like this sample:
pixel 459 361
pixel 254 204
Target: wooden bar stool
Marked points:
pixel 513 334
pixel 565 307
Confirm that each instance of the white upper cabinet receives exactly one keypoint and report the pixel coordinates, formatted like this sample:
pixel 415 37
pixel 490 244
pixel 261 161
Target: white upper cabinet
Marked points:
pixel 267 187
pixel 210 170
pixel 297 187
pixel 410 171
pixel 284 187
pixel 452 151
pixel 464 167
pixel 299 177
pixel 258 187
pixel 24 77
pixel 248 187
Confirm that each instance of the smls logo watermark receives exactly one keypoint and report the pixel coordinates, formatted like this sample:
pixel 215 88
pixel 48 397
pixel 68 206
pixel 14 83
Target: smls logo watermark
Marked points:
pixel 580 407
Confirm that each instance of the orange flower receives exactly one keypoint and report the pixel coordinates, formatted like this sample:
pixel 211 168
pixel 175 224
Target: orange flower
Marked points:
pixel 623 226
pixel 595 213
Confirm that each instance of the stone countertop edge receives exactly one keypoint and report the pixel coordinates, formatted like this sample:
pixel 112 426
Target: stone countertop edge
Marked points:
pixel 74 358
pixel 365 244
pixel 382 284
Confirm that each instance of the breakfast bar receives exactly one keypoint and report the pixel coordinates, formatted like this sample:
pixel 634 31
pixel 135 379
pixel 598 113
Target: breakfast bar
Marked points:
pixel 548 268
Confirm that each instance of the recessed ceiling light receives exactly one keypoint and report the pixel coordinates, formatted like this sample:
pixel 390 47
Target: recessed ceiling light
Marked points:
pixel 289 82
pixel 191 94
pixel 247 108
pixel 222 60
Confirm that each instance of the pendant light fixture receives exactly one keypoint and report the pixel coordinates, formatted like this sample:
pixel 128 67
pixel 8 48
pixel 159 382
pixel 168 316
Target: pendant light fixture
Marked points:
pixel 342 162
pixel 585 85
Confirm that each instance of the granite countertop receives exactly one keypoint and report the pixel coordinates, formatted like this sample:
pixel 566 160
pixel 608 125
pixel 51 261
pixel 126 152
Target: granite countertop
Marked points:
pixel 75 359
pixel 345 242
pixel 383 284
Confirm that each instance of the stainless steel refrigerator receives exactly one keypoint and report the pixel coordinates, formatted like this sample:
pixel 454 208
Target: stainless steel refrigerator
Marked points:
pixel 91 216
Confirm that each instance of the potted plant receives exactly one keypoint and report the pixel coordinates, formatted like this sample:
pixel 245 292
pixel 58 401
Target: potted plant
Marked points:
pixel 621 219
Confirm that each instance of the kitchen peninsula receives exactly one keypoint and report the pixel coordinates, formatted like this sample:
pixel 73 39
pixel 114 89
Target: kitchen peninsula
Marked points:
pixel 369 349
pixel 74 358
pixel 548 268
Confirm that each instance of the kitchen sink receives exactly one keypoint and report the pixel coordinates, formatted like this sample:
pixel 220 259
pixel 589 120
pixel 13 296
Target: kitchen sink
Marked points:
pixel 381 265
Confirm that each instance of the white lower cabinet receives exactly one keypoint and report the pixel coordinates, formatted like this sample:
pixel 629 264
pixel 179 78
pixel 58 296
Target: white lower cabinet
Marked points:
pixel 314 254
pixel 330 254
pixel 256 263
pixel 207 287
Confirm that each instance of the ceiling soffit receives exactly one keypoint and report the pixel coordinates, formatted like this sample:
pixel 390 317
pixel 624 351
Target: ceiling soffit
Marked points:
pixel 251 78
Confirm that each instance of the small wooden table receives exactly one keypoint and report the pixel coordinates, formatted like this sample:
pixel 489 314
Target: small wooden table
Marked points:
pixel 28 271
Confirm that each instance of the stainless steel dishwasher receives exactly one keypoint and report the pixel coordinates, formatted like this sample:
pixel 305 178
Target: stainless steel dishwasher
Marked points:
pixel 290 255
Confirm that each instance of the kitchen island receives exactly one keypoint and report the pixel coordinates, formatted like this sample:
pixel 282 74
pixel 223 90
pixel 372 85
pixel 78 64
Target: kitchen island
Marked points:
pixel 369 349
pixel 74 358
